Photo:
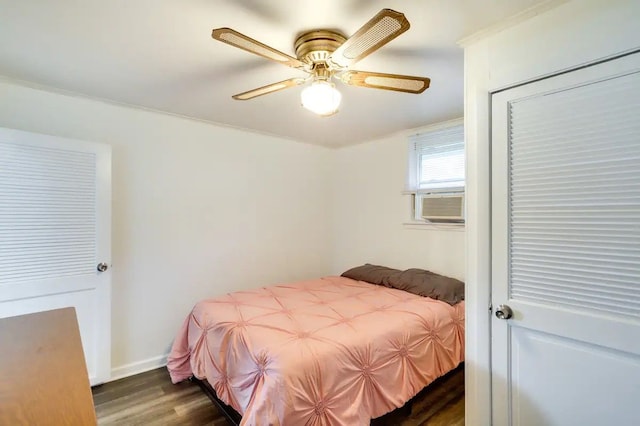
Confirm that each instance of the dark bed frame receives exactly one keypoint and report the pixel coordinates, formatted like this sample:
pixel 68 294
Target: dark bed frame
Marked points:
pixel 234 417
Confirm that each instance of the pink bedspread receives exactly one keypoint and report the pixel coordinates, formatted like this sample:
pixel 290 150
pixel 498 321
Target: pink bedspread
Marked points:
pixel 331 351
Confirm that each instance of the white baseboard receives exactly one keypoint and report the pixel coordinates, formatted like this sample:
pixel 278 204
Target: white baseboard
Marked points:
pixel 137 367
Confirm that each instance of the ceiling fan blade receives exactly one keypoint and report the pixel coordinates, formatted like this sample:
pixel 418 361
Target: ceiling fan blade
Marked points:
pixel 376 80
pixel 236 39
pixel 269 88
pixel 380 30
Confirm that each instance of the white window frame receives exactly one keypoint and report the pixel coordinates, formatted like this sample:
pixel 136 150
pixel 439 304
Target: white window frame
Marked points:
pixel 430 136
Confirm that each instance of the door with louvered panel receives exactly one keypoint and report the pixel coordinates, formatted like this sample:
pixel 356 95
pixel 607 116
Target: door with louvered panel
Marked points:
pixel 55 229
pixel 566 248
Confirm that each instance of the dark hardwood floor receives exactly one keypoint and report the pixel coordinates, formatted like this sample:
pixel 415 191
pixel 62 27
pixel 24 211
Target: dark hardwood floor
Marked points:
pixel 151 399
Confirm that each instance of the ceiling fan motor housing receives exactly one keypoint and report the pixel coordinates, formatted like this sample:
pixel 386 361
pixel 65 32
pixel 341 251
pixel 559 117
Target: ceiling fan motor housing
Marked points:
pixel 315 47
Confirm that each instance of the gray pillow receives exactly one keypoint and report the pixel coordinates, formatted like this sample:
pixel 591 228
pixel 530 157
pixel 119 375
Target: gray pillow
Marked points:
pixel 373 274
pixel 429 284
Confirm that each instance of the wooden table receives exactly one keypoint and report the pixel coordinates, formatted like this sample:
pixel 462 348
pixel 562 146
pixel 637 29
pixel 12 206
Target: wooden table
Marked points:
pixel 43 375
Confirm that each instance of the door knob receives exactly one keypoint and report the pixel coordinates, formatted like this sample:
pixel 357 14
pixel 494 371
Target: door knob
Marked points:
pixel 102 267
pixel 504 312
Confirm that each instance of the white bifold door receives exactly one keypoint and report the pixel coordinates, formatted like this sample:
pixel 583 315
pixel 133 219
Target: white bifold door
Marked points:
pixel 566 248
pixel 55 235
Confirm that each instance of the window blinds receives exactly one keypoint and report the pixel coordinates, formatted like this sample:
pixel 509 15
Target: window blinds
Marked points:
pixel 439 159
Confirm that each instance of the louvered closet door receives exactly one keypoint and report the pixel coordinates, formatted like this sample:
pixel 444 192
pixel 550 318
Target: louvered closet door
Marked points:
pixel 566 248
pixel 55 226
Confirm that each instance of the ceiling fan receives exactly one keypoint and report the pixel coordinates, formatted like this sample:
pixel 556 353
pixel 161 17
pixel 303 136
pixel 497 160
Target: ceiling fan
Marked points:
pixel 326 55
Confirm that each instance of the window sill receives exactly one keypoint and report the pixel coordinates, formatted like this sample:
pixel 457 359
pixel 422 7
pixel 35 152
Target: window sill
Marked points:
pixel 428 226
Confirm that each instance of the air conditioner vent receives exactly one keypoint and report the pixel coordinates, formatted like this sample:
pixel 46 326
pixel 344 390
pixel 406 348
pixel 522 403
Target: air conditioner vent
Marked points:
pixel 443 208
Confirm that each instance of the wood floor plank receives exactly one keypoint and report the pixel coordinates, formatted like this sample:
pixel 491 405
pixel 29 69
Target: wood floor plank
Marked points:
pixel 151 399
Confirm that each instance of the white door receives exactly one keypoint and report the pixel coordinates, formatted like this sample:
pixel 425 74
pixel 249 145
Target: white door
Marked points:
pixel 55 228
pixel 566 248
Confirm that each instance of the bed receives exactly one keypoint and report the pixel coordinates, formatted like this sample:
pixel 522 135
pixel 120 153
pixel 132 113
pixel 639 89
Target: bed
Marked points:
pixel 330 351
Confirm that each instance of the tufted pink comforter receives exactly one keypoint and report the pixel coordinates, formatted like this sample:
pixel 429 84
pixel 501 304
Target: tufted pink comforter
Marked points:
pixel 331 351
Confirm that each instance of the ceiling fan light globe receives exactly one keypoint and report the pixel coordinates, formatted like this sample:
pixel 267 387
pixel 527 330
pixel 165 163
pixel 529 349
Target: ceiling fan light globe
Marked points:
pixel 321 97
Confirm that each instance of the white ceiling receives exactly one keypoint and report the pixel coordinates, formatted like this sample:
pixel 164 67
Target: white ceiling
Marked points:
pixel 160 55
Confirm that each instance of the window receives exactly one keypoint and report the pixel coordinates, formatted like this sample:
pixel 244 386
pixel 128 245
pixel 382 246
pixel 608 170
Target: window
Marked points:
pixel 436 173
pixel 437 160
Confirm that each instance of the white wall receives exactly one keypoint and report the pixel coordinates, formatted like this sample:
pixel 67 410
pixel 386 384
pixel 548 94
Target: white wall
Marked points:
pixel 574 34
pixel 369 210
pixel 198 210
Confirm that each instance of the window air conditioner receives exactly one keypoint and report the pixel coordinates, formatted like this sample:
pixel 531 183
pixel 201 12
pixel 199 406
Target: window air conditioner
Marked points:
pixel 443 207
